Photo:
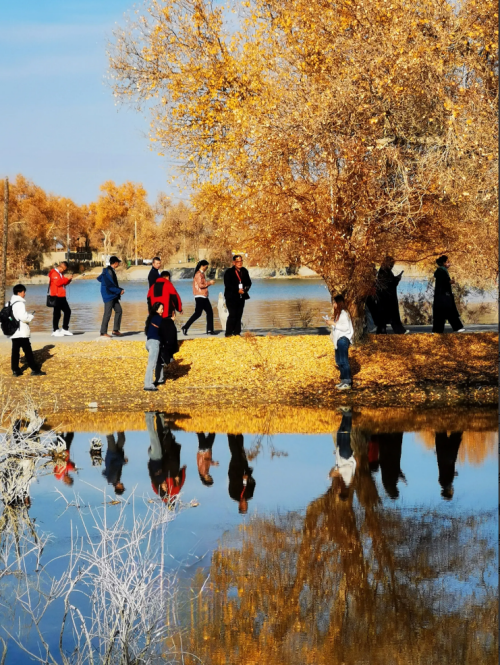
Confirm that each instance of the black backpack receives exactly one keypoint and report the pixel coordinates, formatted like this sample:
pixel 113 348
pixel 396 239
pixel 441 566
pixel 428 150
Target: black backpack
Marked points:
pixel 8 321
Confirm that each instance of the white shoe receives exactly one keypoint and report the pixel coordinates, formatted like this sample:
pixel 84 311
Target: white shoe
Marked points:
pixel 407 332
pixel 66 332
pixel 461 330
pixel 58 333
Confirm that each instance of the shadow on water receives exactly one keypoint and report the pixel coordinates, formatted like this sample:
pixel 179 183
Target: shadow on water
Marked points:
pixel 372 543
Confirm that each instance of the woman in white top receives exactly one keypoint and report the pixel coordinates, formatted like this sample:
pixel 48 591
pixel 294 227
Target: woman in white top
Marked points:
pixel 342 334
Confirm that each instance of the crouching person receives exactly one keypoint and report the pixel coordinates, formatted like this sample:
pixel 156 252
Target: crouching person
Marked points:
pixel 21 337
pixel 341 336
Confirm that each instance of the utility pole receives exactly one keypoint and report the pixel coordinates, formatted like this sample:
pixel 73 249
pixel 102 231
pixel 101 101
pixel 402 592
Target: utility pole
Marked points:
pixel 3 270
pixel 135 224
pixel 67 231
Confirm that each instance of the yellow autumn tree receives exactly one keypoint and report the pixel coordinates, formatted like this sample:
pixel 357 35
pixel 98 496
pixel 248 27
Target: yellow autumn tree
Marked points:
pixel 117 211
pixel 328 134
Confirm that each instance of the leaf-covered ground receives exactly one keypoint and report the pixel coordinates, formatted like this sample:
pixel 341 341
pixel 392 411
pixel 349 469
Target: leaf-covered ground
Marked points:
pixel 216 374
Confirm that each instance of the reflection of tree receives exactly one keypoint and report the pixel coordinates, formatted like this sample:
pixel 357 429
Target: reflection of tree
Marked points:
pixel 352 581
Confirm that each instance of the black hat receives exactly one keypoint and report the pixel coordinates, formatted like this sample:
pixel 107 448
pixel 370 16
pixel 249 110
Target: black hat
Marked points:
pixel 114 259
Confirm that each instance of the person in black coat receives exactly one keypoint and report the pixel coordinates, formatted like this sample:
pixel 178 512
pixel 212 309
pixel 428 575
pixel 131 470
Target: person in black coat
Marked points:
pixel 168 340
pixel 241 482
pixel 237 283
pixel 444 307
pixel 154 273
pixel 387 298
pixel 447 453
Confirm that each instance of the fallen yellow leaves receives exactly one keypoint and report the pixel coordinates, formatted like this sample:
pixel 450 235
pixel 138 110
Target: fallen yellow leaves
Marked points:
pixel 240 373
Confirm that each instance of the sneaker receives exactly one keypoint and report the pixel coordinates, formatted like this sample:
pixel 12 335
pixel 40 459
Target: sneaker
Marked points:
pixel 39 373
pixel 151 389
pixel 461 330
pixel 58 333
pixel 407 332
pixel 345 386
pixel 339 384
pixel 66 332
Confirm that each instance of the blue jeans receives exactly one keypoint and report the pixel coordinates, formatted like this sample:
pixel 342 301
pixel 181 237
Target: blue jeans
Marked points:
pixel 342 359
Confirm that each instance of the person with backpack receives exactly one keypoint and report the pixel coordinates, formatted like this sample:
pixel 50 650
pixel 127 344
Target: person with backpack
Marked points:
pixel 111 293
pixel 20 333
pixel 57 290
pixel 201 298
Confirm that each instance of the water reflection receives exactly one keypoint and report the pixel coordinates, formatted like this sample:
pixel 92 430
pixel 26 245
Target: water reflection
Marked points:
pixel 348 566
pixel 352 579
pixel 164 466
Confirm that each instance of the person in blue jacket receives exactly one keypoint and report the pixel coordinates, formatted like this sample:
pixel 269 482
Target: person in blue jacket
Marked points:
pixel 111 293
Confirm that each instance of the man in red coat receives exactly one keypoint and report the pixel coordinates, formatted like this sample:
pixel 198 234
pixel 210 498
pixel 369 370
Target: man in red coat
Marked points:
pixel 57 288
pixel 164 291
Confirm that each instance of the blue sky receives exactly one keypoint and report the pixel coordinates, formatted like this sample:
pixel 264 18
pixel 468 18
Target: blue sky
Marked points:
pixel 60 125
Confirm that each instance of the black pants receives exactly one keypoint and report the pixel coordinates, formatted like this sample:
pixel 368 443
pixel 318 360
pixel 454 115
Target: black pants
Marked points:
pixel 233 323
pixel 61 306
pixel 202 304
pixel 24 344
pixel 443 314
pixel 111 305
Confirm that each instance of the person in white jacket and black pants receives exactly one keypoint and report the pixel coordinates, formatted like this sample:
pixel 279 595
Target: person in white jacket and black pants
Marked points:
pixel 21 338
pixel 342 335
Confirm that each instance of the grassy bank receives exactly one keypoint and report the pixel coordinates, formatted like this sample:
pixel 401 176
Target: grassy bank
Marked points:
pixel 238 373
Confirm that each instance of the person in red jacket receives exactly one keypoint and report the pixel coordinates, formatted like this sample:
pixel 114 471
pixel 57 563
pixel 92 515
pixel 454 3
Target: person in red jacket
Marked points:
pixel 57 288
pixel 164 291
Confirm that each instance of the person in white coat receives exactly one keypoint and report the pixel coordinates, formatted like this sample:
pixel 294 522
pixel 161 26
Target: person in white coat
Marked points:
pixel 341 336
pixel 21 338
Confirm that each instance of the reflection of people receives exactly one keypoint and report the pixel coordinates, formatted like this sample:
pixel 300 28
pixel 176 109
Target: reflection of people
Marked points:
pixel 204 457
pixel 164 466
pixel 342 473
pixel 447 452
pixel 64 465
pixel 390 449
pixel 387 298
pixel 241 482
pixel 237 283
pixel 114 461
pixel 444 307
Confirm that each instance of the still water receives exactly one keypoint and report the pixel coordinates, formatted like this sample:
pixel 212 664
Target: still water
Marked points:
pixel 349 547
pixel 281 303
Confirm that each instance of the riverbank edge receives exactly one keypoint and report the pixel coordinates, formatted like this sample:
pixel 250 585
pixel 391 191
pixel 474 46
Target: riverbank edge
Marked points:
pixel 272 373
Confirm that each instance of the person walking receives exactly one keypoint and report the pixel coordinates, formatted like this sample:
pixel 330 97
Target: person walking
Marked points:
pixel 57 288
pixel 154 273
pixel 201 298
pixel 447 447
pixel 111 293
pixel 444 307
pixel 155 362
pixel 387 299
pixel 21 337
pixel 237 283
pixel 165 292
pixel 341 336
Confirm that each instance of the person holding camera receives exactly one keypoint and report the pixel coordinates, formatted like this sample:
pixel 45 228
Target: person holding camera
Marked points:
pixel 237 283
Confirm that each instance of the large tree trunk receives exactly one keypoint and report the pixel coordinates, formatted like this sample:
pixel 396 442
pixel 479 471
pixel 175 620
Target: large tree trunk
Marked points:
pixel 354 283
